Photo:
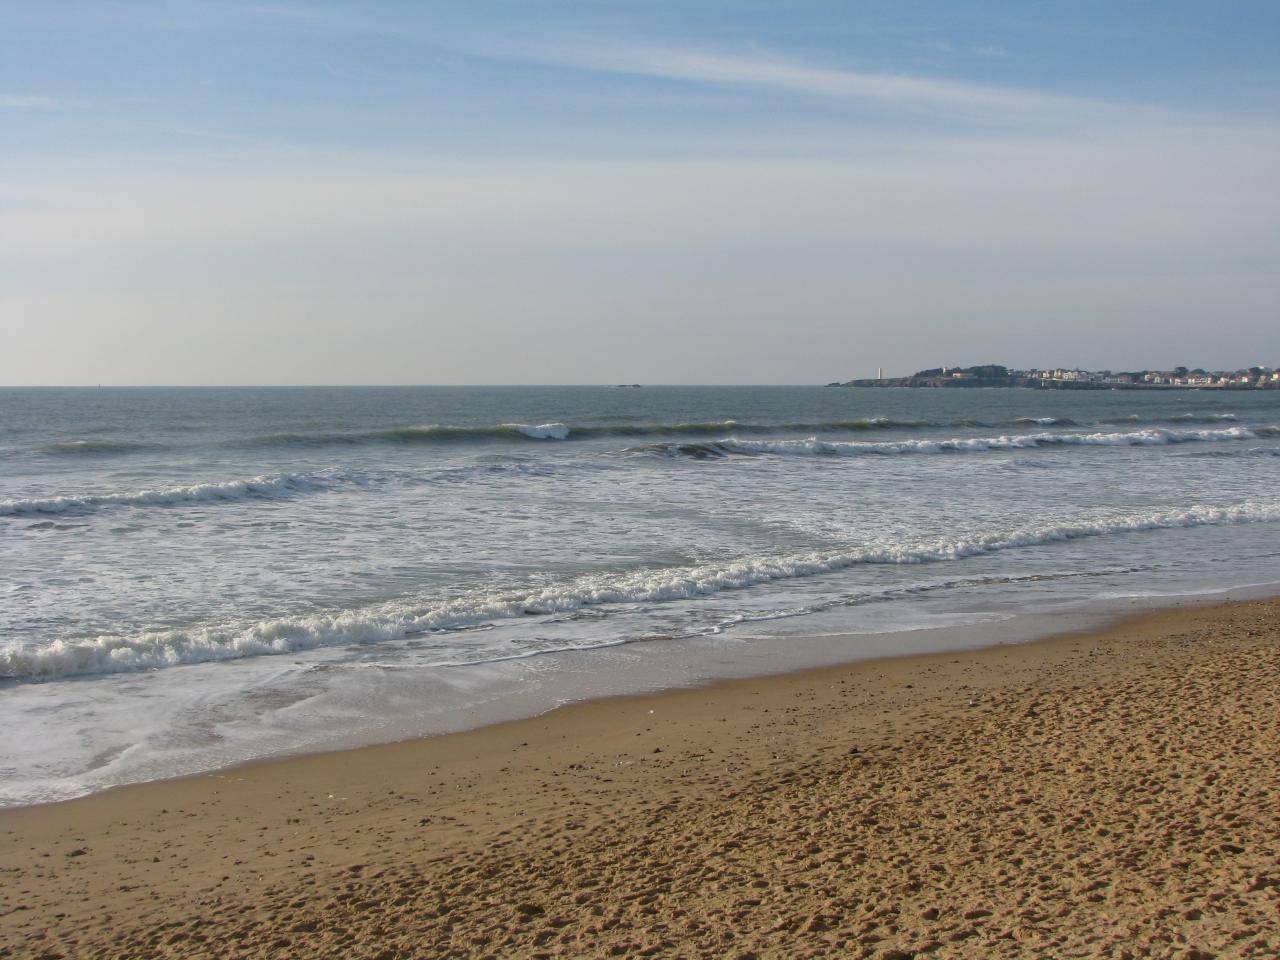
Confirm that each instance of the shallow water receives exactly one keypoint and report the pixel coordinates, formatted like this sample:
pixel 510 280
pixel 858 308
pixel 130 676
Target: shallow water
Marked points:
pixel 192 577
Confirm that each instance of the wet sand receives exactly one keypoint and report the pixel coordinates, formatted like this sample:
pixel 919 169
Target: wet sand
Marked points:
pixel 1115 794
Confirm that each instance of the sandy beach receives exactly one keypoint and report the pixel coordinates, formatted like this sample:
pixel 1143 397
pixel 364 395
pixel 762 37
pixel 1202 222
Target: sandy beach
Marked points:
pixel 1115 794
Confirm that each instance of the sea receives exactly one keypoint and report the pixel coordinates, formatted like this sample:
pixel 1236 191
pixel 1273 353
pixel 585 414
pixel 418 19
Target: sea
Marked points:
pixel 192 578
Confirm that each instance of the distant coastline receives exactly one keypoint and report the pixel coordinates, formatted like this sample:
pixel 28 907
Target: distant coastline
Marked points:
pixel 996 375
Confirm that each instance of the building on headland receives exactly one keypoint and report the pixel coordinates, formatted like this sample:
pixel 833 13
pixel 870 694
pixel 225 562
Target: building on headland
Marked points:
pixel 997 375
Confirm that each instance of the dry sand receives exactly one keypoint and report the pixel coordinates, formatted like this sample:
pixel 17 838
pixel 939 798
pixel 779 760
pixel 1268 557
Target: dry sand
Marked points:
pixel 1115 794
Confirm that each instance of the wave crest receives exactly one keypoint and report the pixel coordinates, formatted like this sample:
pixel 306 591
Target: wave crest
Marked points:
pixel 430 433
pixel 263 487
pixel 397 621
pixel 97 447
pixel 812 446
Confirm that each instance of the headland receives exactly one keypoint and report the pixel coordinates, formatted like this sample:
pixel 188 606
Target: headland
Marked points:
pixel 1059 378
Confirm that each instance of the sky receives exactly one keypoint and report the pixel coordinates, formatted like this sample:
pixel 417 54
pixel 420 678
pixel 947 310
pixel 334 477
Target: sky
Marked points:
pixel 657 192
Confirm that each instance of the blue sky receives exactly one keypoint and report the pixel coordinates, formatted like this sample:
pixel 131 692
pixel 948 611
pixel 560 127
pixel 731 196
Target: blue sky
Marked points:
pixel 591 192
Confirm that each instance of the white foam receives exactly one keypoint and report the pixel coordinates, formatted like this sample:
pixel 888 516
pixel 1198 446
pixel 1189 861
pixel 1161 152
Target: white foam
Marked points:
pixel 543 431
pixel 400 619
pixel 852 448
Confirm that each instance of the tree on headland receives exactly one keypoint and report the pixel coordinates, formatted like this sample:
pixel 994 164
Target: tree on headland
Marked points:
pixel 986 371
pixel 989 371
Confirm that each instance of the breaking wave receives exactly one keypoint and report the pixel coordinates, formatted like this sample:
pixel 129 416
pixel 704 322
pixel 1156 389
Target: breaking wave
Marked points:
pixel 812 446
pixel 264 487
pixel 1177 418
pixel 520 432
pixel 1202 417
pixel 402 620
pixel 557 430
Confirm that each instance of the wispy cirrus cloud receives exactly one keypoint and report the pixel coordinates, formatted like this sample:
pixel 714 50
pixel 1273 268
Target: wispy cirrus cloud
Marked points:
pixel 762 69
pixel 663 59
pixel 24 101
pixel 946 47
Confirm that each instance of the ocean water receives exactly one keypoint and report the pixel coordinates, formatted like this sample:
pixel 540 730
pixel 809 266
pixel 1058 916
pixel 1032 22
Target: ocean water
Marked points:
pixel 195 577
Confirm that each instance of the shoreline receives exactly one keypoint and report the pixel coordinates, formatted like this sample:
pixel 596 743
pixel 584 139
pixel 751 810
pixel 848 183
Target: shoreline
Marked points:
pixel 647 823
pixel 566 678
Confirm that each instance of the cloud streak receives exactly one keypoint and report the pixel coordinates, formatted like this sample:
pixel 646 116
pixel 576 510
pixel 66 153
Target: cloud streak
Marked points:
pixel 764 70
pixel 21 101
